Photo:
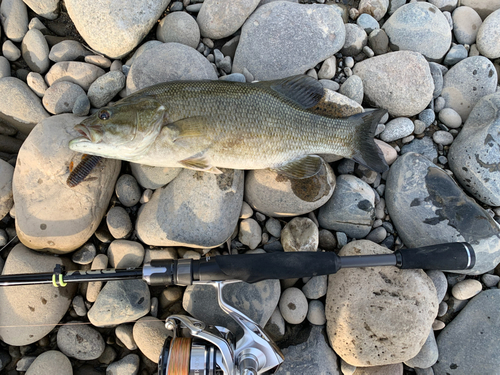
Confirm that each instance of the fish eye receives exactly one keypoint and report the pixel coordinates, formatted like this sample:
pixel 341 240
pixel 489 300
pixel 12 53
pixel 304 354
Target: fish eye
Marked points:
pixel 104 114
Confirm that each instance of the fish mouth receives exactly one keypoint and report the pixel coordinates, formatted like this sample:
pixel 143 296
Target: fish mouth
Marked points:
pixel 88 133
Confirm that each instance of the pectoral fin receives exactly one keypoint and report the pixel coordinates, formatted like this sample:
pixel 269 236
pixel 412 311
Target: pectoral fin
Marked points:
pixel 188 127
pixel 199 163
pixel 303 167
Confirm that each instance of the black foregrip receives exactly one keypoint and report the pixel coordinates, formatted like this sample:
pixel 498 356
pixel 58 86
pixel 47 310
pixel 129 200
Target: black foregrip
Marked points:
pixel 256 267
pixel 447 256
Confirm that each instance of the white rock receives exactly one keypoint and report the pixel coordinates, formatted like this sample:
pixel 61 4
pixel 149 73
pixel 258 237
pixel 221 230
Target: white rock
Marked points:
pixel 466 24
pixel 51 362
pixel 293 305
pixel 250 233
pixel 46 8
pixel 35 51
pixel 450 118
pixel 14 17
pixel 316 313
pixel 488 36
pixel 466 289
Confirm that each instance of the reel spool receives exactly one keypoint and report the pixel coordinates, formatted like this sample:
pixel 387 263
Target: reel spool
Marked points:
pixel 200 349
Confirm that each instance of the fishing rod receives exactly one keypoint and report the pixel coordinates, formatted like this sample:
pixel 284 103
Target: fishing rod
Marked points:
pixel 198 348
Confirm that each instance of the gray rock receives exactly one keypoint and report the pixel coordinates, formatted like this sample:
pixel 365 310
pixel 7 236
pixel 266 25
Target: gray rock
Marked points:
pixel 315 288
pixel 317 32
pixel 467 82
pixel 61 97
pixel 378 41
pixel 35 51
pixel 46 8
pixel 396 129
pixel 484 9
pixel 478 323
pixel 125 254
pixel 119 223
pixel 218 20
pixel 30 312
pixel 84 255
pixel 197 209
pixel 279 196
pixel 36 83
pixel 170 295
pixel 355 39
pixel 124 332
pixel 10 51
pixel 257 301
pixel 122 25
pixel 250 233
pixel 450 118
pixel 466 24
pixel 311 357
pixel 234 77
pixel 425 146
pixel 100 61
pixel 80 341
pixel 81 107
pixel 351 208
pixel 80 73
pixel 150 334
pixel 273 226
pixel 14 17
pixel 400 82
pixel 327 240
pixel 167 62
pixel 300 234
pixel 427 207
pixel 6 200
pixel 40 189
pixel 466 289
pixel 78 304
pixel 51 362
pixel 427 356
pixel 377 235
pixel 128 365
pixel 367 23
pixel 293 305
pixel 105 88
pixel 437 77
pixel 440 283
pixel 487 36
pixel 4 67
pixel 372 300
pixel 474 154
pixel 179 27
pixel 20 107
pixel 127 190
pixel 25 362
pixel 455 54
pixel 100 262
pixel 419 27
pixel 119 302
pixel 444 5
pixel 275 326
pixel 442 137
pixel 353 89
pixel 153 177
pixel 328 68
pixel 316 313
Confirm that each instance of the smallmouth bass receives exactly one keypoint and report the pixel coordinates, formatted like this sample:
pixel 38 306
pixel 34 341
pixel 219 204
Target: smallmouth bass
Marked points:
pixel 206 125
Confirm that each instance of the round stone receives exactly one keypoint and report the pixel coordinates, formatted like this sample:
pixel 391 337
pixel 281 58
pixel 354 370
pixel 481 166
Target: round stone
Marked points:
pixel 150 335
pixel 125 366
pixel 153 177
pixel 376 8
pixel 80 341
pixel 367 23
pixel 51 362
pixel 80 73
pixel 273 226
pixel 119 223
pixel 250 233
pixel 355 39
pixel 316 313
pixel 127 190
pixel 179 27
pixel 67 50
pixel 84 255
pixel 396 129
pixel 293 305
pixel 466 289
pixel 105 88
pixel 442 137
pixel 35 51
pixel 353 89
pixel 10 51
pixel 488 36
pixel 300 234
pixel 61 97
pixel 466 24
pixel 14 19
pixel 450 118
pixel 36 83
pixel 316 287
pixel 125 254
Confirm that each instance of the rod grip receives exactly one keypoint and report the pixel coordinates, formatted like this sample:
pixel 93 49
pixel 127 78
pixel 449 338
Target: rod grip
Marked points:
pixel 447 257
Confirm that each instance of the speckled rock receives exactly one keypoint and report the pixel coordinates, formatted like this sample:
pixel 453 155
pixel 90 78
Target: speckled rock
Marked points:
pixel 427 207
pixel 293 305
pixel 179 27
pixel 61 97
pixel 376 8
pixel 466 24
pixel 150 335
pixel 218 20
pixel 467 82
pixel 168 62
pixel 153 177
pixel 397 128
pixel 475 153
pixel 196 209
pixel 419 27
pixel 276 195
pixel 51 362
pixel 46 214
pixel 80 341
pixel 400 82
pixel 6 200
pixel 14 17
pixel 83 74
pixel 372 317
pixel 351 208
pixel 40 305
pixel 317 31
pixel 300 234
pixel 20 107
pixel 355 39
pixel 104 88
pixel 257 301
pixel 35 51
pixel 488 36
pixel 353 89
pixel 121 25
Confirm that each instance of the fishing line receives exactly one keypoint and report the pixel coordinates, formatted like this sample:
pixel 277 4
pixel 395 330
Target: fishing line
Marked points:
pixel 7 244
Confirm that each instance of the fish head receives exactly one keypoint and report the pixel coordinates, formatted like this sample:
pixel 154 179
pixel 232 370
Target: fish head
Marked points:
pixel 124 130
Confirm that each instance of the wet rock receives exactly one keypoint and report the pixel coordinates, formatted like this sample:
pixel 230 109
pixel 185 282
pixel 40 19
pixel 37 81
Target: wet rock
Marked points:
pixel 372 301
pixel 80 341
pixel 300 234
pixel 179 27
pixel 105 88
pixel 36 307
pixel 6 200
pixel 427 207
pixel 197 209
pixel 467 82
pixel 49 214
pixel 121 24
pixel 276 195
pixel 80 73
pixel 351 208
pixel 150 334
pixel 51 362
pixel 61 97
pixel 474 154
pixel 318 32
pixel 400 82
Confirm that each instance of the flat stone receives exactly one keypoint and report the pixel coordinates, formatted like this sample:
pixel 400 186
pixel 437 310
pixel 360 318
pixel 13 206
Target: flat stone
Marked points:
pixel 397 128
pixel 425 146
pixel 119 302
pixel 300 234
pixel 80 341
pixel 466 24
pixel 450 118
pixel 105 88
pixel 46 214
pixel 168 62
pixel 84 255
pixel 14 17
pixel 20 108
pixel 80 73
pixel 179 27
pixel 36 307
pixel 400 82
pixel 466 289
pixel 315 288
pixel 128 365
pixel 100 61
pixel 51 362
pixel 35 51
pixel 6 200
pixel 196 209
pixel 474 154
pixel 419 27
pixel 61 97
pixel 150 335
pixel 353 89
pixel 366 325
pixel 467 82
pixel 351 208
pixel 427 207
pixel 121 24
pixel 153 177
pixel 468 343
pixel 257 301
pixel 487 40
pixel 317 32
pixel 218 19
pixel 125 254
pixel 455 54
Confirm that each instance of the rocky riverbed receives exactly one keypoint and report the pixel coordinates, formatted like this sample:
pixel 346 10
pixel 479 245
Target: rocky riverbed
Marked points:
pixel 434 66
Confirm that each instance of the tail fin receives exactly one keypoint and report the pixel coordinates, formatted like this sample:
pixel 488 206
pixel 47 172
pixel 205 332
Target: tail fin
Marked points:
pixel 366 151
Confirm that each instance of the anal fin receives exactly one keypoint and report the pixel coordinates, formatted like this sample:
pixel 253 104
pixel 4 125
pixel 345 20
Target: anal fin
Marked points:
pixel 300 168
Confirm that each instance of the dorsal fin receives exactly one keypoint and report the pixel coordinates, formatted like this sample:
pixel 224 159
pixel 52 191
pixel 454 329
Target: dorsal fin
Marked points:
pixel 302 90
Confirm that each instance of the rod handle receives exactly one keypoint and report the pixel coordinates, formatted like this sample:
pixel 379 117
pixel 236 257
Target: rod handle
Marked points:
pixel 446 256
